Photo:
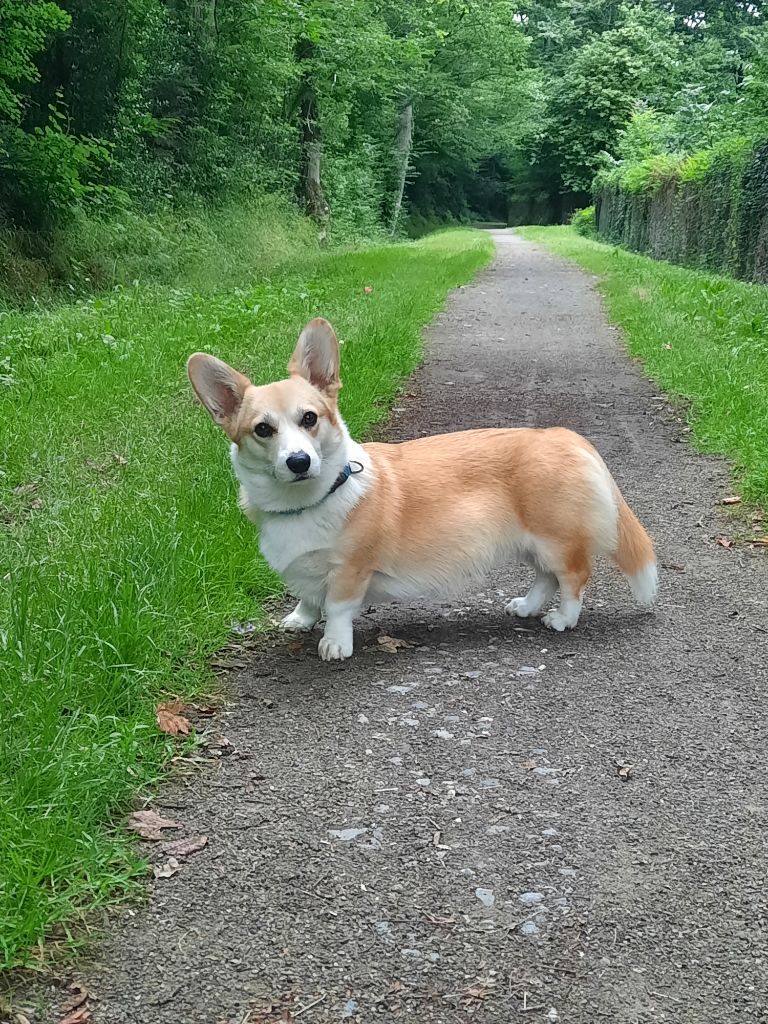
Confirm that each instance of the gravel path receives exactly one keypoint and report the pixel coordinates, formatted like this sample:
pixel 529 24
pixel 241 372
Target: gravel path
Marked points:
pixel 442 833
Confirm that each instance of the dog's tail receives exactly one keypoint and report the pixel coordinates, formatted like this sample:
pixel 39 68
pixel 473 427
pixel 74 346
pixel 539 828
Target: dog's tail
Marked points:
pixel 634 554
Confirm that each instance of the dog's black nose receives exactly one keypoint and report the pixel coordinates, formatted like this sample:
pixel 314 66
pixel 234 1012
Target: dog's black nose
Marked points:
pixel 298 462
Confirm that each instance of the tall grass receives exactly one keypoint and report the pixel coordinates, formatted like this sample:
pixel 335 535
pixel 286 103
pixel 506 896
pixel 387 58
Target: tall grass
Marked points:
pixel 123 557
pixel 703 337
pixel 195 248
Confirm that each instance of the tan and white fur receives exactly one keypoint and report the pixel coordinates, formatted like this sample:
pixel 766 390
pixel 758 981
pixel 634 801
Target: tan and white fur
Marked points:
pixel 425 516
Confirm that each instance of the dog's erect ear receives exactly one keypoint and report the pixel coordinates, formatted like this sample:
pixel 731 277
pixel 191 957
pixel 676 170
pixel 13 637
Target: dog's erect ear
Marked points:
pixel 316 357
pixel 217 385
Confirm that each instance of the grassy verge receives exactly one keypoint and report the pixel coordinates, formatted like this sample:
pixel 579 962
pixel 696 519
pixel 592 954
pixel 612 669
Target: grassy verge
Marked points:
pixel 124 559
pixel 702 337
pixel 196 248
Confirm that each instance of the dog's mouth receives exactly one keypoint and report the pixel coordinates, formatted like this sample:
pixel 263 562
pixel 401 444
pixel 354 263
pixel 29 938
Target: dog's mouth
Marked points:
pixel 299 477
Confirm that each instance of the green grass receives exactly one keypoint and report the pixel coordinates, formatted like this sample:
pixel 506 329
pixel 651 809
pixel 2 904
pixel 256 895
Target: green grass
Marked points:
pixel 195 248
pixel 702 337
pixel 123 556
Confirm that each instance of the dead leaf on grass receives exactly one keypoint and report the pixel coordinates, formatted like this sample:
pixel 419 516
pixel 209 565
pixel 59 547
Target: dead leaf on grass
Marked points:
pixel 170 719
pixel 149 824
pixel 624 770
pixel 167 870
pixel 762 541
pixel 392 644
pixel 185 847
pixel 723 542
pixel 26 488
pixel 734 499
pixel 36 504
pixel 529 765
pixel 368 290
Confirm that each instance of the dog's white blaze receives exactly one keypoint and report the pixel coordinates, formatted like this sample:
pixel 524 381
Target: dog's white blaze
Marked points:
pixel 304 548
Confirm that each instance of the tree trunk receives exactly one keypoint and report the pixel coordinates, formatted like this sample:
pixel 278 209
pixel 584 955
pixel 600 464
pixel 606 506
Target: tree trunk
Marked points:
pixel 402 157
pixel 311 195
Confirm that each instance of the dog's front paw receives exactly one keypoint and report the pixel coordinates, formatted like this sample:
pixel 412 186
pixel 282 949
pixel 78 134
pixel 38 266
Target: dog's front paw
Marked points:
pixel 331 649
pixel 519 606
pixel 556 620
pixel 297 623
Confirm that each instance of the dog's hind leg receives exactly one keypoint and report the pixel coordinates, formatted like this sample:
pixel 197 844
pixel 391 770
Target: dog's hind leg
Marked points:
pixel 538 597
pixel 303 617
pixel 572 578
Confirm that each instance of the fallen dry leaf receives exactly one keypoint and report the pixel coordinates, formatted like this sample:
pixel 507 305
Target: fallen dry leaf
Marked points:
pixel 166 870
pixel 220 744
pixel 36 504
pixel 368 290
pixel 79 1016
pixel 120 459
pixel 78 997
pixel 762 541
pixel 170 720
pixel 392 644
pixel 26 488
pixel 475 993
pixel 734 499
pixel 440 922
pixel 724 542
pixel 185 847
pixel 149 824
pixel 624 770
pixel 529 765
pixel 668 348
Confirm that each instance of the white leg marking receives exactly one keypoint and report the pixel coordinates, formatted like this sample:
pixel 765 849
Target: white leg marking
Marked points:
pixel 537 598
pixel 302 619
pixel 567 614
pixel 337 642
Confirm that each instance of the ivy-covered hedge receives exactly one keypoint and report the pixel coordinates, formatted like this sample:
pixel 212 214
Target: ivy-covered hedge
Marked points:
pixel 709 210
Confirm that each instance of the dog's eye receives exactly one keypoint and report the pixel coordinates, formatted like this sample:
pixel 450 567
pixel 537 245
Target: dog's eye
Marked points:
pixel 263 430
pixel 309 419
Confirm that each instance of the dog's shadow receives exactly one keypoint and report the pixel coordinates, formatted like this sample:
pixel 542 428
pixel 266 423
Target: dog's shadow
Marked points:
pixel 396 635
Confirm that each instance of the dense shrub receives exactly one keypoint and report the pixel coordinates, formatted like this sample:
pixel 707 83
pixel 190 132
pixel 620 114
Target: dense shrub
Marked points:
pixel 707 210
pixel 584 221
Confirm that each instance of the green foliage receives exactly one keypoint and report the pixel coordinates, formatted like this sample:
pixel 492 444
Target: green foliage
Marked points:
pixel 51 174
pixel 197 246
pixel 708 209
pixel 205 101
pixel 25 25
pixel 583 222
pixel 703 338
pixel 627 82
pixel 124 556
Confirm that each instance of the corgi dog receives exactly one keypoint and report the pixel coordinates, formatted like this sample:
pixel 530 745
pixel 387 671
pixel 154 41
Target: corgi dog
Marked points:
pixel 349 525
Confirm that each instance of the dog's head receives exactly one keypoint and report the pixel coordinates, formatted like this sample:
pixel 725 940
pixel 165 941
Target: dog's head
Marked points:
pixel 285 429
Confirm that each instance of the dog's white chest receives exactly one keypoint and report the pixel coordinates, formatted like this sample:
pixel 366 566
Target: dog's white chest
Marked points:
pixel 286 540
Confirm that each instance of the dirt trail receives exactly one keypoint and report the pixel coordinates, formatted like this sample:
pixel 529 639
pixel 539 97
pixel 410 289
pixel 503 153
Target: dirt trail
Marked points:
pixel 442 834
